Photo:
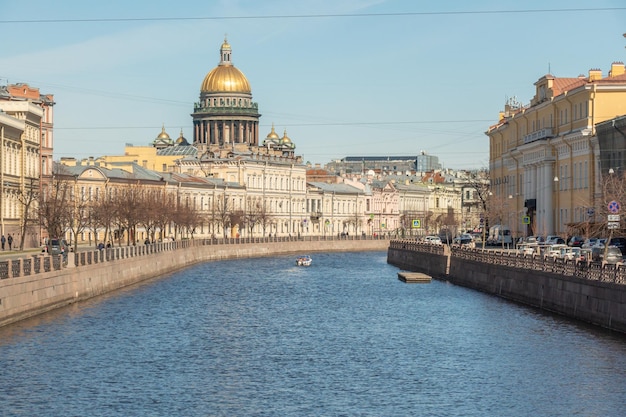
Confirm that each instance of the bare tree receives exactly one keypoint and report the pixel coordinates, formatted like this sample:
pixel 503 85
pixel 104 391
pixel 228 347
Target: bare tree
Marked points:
pixel 222 213
pixel 53 205
pixel 187 219
pixel 253 215
pixel 479 182
pixel 128 208
pixel 165 215
pixel 78 212
pixel 263 217
pixel 237 218
pixel 27 197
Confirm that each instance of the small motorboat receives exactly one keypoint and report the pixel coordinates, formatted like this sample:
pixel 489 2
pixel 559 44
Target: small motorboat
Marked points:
pixel 304 260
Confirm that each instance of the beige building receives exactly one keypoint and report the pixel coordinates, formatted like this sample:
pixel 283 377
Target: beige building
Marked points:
pixel 544 156
pixel 26 121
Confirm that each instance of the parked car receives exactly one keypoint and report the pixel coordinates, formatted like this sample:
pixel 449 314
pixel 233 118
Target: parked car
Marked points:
pixel 589 243
pixel 528 249
pixel 56 247
pixel 463 239
pixel 620 242
pixel 576 241
pixel 556 251
pixel 573 253
pixel 433 240
pixel 555 240
pixel 613 254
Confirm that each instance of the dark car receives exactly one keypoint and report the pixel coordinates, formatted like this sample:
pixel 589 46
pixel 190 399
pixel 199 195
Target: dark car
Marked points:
pixel 56 247
pixel 613 254
pixel 576 241
pixel 620 242
pixel 464 239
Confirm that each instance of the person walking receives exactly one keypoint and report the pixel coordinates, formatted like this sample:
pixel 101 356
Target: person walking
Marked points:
pixel 9 241
pixel 3 241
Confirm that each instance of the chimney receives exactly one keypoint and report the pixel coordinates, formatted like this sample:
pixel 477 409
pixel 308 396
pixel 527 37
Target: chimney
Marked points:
pixel 595 74
pixel 617 68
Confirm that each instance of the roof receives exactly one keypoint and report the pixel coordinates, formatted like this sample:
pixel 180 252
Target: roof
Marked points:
pixel 336 188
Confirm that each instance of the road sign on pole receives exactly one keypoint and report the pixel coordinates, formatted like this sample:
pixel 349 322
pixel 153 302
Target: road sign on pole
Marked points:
pixel 613 207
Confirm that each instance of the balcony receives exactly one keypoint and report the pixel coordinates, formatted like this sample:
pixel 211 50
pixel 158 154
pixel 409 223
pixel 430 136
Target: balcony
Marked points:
pixel 316 216
pixel 538 135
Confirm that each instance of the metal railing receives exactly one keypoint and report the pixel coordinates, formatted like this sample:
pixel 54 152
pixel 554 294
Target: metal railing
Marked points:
pixel 40 263
pixel 597 271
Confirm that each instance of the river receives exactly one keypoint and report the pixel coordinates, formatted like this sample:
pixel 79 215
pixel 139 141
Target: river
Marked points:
pixel 343 337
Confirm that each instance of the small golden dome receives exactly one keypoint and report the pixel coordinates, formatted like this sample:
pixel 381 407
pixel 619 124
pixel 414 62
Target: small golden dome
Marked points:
pixel 163 134
pixel 285 139
pixel 272 134
pixel 181 141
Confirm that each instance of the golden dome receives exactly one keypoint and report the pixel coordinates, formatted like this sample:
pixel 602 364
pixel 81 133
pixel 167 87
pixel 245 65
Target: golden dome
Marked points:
pixel 163 134
pixel 285 139
pixel 225 78
pixel 181 141
pixel 272 134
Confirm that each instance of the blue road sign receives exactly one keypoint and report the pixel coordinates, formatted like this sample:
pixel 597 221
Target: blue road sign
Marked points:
pixel 613 207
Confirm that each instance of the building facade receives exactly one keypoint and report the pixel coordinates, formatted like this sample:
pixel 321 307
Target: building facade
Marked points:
pixel 544 157
pixel 26 141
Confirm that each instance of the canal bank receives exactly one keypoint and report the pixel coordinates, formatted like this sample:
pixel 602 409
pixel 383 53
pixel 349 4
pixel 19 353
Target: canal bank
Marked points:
pixel 591 294
pixel 33 285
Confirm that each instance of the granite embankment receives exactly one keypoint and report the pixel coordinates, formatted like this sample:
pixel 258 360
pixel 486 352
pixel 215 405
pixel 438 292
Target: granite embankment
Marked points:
pixel 590 292
pixel 36 284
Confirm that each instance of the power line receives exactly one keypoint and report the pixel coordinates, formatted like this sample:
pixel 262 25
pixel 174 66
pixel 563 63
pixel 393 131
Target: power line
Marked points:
pixel 314 16
pixel 294 124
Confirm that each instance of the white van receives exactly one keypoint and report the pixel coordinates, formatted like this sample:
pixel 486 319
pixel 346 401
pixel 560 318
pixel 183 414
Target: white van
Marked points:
pixel 499 235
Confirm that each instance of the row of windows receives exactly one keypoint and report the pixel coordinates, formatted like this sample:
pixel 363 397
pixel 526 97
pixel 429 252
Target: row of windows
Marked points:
pixel 215 102
pixel 12 161
pixel 276 183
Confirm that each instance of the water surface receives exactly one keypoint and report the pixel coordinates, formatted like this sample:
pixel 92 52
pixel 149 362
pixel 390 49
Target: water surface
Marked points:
pixel 344 337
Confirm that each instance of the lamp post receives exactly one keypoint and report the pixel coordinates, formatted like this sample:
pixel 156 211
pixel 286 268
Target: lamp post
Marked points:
pixel 557 209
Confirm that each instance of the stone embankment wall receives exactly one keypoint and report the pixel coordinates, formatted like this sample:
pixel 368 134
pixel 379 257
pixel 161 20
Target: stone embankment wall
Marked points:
pixel 591 293
pixel 38 284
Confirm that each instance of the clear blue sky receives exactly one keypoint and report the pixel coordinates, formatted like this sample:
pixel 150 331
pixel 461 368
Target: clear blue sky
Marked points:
pixel 409 76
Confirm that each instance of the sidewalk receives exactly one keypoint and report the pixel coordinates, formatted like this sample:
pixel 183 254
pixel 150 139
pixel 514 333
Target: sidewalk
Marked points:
pixel 16 253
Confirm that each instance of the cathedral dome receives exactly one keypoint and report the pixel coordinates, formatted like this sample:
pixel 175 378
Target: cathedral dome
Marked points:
pixel 225 78
pixel 181 141
pixel 272 134
pixel 163 135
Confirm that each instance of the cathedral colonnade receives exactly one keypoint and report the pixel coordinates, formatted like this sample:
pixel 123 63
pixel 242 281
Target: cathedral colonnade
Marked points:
pixel 220 132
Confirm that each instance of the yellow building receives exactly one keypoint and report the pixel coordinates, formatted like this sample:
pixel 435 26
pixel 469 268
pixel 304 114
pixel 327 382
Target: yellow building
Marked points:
pixel 26 121
pixel 160 156
pixel 544 157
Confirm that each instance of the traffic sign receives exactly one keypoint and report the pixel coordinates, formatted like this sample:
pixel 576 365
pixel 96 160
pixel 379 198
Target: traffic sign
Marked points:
pixel 613 207
pixel 613 225
pixel 417 223
pixel 526 220
pixel 613 217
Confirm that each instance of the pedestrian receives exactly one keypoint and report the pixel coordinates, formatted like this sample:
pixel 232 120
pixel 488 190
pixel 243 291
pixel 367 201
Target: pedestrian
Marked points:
pixel 10 241
pixel 3 241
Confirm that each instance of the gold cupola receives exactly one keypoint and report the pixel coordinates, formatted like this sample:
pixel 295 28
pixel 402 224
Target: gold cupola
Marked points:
pixel 225 78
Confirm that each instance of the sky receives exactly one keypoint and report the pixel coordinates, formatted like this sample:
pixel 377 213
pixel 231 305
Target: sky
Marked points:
pixel 342 77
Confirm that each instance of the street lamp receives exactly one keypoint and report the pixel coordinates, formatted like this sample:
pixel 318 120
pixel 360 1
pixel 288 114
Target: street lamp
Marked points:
pixel 557 210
